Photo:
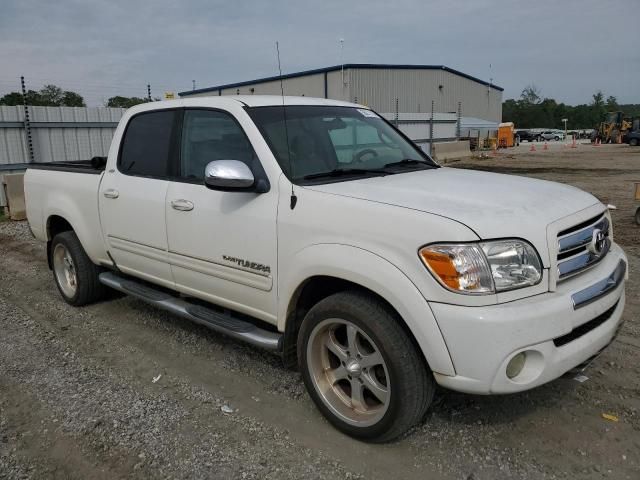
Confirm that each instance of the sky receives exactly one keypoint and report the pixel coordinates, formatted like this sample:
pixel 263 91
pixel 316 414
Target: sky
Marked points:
pixel 567 48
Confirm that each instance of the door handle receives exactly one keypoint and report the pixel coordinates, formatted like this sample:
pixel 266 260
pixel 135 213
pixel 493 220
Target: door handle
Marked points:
pixel 111 193
pixel 182 205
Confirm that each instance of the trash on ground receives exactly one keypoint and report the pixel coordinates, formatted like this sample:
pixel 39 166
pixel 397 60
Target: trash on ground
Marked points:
pixel 155 379
pixel 609 416
pixel 581 378
pixel 226 409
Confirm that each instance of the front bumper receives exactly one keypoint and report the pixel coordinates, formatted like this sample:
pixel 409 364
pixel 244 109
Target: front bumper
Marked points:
pixel 555 335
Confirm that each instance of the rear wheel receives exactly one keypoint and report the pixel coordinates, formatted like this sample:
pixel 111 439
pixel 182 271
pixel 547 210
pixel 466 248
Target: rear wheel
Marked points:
pixel 362 369
pixel 75 275
pixel 633 142
pixel 638 216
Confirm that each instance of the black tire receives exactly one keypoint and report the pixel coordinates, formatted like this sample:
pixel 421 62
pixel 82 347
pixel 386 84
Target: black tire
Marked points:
pixel 556 138
pixel 88 287
pixel 633 142
pixel 638 216
pixel 410 380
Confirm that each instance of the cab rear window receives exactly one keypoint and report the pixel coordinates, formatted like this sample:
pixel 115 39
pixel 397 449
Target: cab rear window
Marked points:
pixel 146 144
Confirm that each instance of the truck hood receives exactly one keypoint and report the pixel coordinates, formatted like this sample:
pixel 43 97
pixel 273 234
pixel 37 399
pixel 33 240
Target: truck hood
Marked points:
pixel 492 205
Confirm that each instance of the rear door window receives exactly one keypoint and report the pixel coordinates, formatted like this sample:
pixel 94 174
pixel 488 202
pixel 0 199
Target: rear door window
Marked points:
pixel 146 144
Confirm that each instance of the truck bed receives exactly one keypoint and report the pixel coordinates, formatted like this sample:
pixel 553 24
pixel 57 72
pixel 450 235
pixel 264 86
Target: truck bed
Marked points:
pixel 94 166
pixel 64 190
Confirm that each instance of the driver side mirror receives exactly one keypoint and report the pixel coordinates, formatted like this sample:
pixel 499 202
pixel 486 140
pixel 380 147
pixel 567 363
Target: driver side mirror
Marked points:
pixel 228 175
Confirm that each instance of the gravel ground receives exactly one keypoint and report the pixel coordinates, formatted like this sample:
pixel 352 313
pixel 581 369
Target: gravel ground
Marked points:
pixel 78 397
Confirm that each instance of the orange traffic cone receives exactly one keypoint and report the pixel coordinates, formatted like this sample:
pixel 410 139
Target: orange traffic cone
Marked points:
pixel 546 147
pixel 574 144
pixel 597 143
pixel 533 148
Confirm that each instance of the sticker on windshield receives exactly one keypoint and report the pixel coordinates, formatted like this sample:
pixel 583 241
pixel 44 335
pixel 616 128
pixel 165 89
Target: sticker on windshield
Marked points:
pixel 367 113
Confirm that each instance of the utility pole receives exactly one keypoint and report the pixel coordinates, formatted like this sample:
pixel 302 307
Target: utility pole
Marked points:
pixel 27 123
pixel 433 106
pixel 397 113
pixel 148 92
pixel 194 84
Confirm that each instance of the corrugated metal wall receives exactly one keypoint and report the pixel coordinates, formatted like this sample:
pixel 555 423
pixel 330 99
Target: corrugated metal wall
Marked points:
pixel 378 88
pixel 310 86
pixel 58 133
pixel 13 144
pixel 415 89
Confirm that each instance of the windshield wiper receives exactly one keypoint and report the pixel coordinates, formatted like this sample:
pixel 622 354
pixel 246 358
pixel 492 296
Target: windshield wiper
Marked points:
pixel 339 172
pixel 408 162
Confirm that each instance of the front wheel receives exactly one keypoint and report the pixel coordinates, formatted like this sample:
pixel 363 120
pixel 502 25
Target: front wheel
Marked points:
pixel 362 369
pixel 633 142
pixel 75 275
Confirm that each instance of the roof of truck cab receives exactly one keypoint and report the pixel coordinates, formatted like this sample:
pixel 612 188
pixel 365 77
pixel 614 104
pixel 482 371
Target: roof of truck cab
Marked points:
pixel 248 100
pixel 227 101
pixel 275 100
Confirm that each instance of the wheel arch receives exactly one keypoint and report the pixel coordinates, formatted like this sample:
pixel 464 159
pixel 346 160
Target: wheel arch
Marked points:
pixel 322 270
pixel 65 214
pixel 54 225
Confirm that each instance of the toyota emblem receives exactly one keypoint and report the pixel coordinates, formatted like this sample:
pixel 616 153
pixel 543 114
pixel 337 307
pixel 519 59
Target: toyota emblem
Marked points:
pixel 598 242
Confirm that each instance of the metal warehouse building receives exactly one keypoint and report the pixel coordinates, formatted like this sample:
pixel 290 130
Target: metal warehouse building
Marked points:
pixel 463 105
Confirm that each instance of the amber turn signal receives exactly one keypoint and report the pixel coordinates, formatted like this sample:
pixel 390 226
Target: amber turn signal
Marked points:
pixel 442 265
pixel 459 267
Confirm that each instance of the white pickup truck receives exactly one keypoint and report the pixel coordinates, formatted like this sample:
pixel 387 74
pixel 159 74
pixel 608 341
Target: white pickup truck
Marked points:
pixel 315 229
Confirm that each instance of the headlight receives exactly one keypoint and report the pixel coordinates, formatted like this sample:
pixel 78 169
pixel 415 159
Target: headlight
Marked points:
pixel 486 267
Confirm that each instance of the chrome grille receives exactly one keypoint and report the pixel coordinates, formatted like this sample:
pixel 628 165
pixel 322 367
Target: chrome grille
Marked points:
pixel 582 246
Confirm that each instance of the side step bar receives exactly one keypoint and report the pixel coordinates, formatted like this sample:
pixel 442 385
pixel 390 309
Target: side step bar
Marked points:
pixel 224 323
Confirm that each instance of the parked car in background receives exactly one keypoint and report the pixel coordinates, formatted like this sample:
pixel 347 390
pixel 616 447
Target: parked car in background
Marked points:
pixel 552 135
pixel 586 133
pixel 528 135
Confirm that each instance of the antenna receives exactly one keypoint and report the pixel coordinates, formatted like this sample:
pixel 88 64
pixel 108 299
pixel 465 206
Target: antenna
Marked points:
pixel 294 199
pixel 342 59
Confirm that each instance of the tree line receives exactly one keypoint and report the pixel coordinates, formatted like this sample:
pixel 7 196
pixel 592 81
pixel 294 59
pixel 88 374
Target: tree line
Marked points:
pixel 54 96
pixel 531 110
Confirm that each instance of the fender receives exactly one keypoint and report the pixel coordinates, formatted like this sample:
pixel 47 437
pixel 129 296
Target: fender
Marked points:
pixel 85 225
pixel 378 275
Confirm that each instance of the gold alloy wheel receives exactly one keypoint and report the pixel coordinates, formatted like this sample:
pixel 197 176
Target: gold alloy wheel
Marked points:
pixel 349 372
pixel 65 270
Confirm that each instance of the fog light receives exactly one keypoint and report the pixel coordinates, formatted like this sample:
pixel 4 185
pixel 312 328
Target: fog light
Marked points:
pixel 516 364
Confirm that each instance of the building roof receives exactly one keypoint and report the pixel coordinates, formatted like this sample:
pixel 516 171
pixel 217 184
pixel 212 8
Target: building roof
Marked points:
pixel 361 66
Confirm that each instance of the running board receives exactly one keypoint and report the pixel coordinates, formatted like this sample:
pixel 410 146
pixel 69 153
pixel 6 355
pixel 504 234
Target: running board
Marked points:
pixel 224 323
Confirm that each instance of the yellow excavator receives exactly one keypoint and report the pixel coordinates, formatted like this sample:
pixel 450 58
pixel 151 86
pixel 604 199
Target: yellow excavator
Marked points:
pixel 613 128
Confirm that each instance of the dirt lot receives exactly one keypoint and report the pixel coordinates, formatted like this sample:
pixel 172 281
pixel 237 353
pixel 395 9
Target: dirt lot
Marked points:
pixel 78 397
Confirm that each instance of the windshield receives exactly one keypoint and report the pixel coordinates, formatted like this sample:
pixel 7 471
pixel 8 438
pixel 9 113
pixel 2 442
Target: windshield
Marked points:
pixel 341 142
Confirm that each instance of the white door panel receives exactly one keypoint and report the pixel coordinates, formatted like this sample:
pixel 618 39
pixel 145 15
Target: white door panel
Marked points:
pixel 132 197
pixel 134 225
pixel 224 248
